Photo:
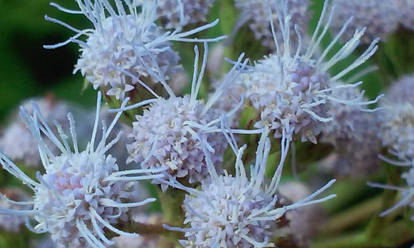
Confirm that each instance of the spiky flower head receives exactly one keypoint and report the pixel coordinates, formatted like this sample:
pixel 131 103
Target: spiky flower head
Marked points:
pixel 81 192
pixel 256 14
pixel 180 13
pixel 240 210
pixel 406 10
pixel 380 20
pixel 125 48
pixel 167 133
pixel 16 141
pixel 397 120
pixel 292 91
pixel 163 133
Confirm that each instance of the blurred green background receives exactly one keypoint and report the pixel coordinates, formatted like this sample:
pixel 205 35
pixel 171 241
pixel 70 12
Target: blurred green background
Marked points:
pixel 26 68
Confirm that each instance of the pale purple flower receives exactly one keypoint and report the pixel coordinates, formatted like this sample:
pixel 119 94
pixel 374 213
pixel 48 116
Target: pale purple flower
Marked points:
pixel 379 18
pixel 81 192
pixel 292 90
pixel 164 134
pixel 240 210
pixel 167 134
pixel 126 48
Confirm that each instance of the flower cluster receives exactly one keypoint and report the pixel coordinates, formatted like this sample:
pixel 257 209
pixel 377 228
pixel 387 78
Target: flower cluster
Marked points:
pixel 239 211
pixel 126 47
pixel 184 142
pixel 292 91
pixel 81 192
pixel 167 133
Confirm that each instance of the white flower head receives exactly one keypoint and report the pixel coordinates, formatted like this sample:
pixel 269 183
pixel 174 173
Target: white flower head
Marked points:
pixel 167 133
pixel 81 193
pixel 255 13
pixel 397 120
pixel 292 91
pixel 126 47
pixel 239 211
pixel 180 13
pixel 380 20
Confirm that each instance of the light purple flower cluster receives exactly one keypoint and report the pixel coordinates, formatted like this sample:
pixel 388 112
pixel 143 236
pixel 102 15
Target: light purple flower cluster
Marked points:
pixel 163 136
pixel 292 91
pixel 239 211
pixel 179 141
pixel 81 192
pixel 126 47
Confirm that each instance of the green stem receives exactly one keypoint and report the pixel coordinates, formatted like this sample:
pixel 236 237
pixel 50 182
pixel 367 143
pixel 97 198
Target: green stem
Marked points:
pixel 348 192
pixel 357 240
pixel 171 201
pixel 352 216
